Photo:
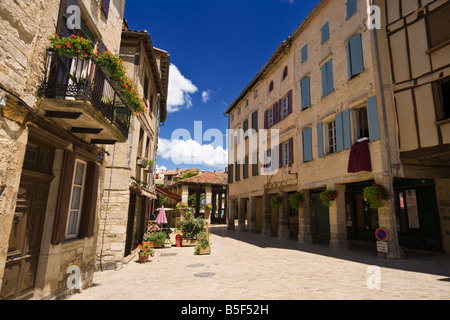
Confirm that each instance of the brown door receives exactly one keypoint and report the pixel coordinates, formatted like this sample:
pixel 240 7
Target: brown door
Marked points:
pixel 26 234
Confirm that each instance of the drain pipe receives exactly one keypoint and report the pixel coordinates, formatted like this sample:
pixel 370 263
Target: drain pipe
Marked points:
pixel 388 148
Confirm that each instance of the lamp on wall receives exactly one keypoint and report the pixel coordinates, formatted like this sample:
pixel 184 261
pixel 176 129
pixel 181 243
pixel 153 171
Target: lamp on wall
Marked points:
pixel 289 170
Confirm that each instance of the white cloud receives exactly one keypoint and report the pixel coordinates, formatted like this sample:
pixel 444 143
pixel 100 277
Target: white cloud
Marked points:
pixel 180 90
pixel 160 169
pixel 192 153
pixel 206 96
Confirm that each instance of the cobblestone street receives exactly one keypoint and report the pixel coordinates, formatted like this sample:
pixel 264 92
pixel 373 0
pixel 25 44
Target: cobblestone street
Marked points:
pixel 246 266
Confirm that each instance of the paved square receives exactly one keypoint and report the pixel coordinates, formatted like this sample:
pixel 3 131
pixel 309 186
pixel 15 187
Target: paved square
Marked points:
pixel 247 266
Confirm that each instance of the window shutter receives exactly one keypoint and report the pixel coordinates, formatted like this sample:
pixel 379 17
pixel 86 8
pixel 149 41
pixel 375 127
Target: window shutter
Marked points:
pixel 280 155
pixel 339 133
pixel 324 80
pixel 347 129
pixel 330 82
pixel 255 121
pixel 306 93
pixel 349 61
pixel 255 161
pixel 238 174
pixel 305 53
pixel 372 115
pixel 89 208
pixel 291 151
pixel 230 173
pixel 275 113
pixel 105 7
pixel 356 55
pixel 266 119
pixel 307 145
pixel 245 168
pixel 63 200
pixel 351 8
pixel 320 139
pixel 325 32
pixel 290 102
pixel 245 128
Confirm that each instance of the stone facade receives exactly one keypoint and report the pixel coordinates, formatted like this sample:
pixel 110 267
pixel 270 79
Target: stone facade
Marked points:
pixel 34 148
pixel 129 183
pixel 324 122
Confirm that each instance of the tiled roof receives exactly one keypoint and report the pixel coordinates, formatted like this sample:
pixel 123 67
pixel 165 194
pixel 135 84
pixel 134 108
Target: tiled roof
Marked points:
pixel 218 178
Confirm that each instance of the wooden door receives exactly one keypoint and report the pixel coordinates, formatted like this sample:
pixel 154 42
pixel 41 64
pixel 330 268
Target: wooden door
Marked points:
pixel 26 234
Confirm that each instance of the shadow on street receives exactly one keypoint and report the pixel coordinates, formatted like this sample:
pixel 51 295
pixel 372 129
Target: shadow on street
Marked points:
pixel 415 261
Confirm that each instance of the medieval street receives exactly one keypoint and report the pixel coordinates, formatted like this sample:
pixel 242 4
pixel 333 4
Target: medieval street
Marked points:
pixel 248 266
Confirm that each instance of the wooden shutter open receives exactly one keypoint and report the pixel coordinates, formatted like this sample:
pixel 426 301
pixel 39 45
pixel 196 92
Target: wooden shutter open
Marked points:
pixel 320 139
pixel 290 102
pixel 105 7
pixel 89 208
pixel 63 200
pixel 291 151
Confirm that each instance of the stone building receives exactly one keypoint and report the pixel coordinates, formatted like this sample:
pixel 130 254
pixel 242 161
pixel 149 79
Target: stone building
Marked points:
pixel 129 179
pixel 52 141
pixel 328 93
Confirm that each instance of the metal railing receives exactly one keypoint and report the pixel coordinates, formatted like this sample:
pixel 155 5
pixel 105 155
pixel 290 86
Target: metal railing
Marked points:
pixel 72 78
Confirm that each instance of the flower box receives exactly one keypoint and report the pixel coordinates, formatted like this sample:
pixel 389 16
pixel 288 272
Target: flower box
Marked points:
pixel 204 251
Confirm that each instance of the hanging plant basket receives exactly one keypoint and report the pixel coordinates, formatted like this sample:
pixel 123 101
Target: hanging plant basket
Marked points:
pixel 275 202
pixel 327 196
pixel 295 200
pixel 375 195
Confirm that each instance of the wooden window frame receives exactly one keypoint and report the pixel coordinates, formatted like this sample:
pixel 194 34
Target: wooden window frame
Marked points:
pixel 81 200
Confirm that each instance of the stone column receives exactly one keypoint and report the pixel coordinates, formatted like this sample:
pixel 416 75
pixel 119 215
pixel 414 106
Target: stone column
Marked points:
pixel 266 228
pixel 304 221
pixel 197 203
pixel 283 217
pixel 386 221
pixel 241 214
pixel 231 213
pixel 208 199
pixel 338 222
pixel 252 217
pixel 219 206
pixel 184 193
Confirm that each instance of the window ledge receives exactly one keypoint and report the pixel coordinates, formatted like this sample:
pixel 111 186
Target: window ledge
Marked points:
pixel 442 122
pixel 438 47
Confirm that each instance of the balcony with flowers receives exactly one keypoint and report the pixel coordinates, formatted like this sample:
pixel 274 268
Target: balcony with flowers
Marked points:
pixel 88 93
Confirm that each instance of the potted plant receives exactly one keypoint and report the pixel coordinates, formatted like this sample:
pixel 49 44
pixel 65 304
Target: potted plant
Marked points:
pixel 71 47
pixel 190 228
pixel 203 245
pixel 208 209
pixel 157 239
pixel 327 196
pixel 375 194
pixel 275 202
pixel 295 200
pixel 145 251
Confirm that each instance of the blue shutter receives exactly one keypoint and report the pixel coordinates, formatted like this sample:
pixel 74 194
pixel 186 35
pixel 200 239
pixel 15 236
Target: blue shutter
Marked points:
pixel 307 145
pixel 325 32
pixel 351 8
pixel 339 133
pixel 324 80
pixel 347 129
pixel 330 82
pixel 320 139
pixel 372 115
pixel 306 93
pixel 356 55
pixel 349 61
pixel 305 53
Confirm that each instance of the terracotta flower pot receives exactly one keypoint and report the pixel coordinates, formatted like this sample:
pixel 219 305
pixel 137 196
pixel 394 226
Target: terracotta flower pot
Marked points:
pixel 143 259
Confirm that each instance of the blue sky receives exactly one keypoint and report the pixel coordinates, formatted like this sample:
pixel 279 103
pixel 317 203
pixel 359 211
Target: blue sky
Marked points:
pixel 216 48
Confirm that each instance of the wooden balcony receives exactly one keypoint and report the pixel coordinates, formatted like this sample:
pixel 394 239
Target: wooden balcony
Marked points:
pixel 77 95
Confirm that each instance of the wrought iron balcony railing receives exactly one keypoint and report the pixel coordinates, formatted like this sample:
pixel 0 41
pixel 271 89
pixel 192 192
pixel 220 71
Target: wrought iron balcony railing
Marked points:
pixel 71 78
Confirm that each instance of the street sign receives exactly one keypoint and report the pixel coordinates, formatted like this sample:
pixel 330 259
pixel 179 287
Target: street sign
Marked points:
pixel 382 247
pixel 381 234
